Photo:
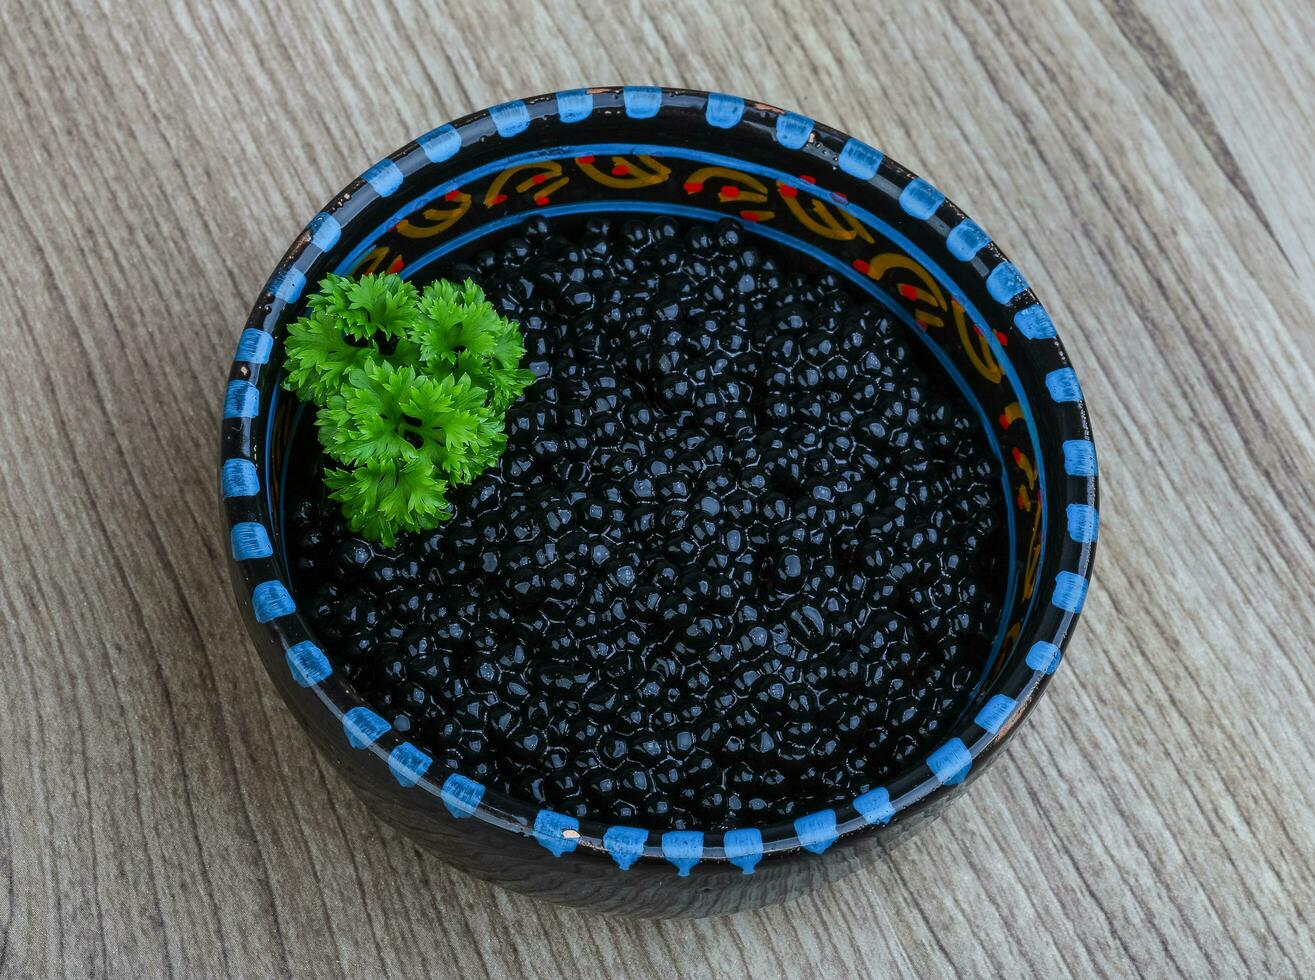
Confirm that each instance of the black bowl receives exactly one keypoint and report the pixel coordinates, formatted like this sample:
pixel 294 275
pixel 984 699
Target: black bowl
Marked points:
pixel 806 187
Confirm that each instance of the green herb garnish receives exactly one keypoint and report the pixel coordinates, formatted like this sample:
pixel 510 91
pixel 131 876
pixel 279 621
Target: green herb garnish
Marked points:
pixel 412 389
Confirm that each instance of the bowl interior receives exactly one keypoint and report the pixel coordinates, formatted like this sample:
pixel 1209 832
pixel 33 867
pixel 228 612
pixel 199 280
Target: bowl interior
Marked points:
pixel 808 190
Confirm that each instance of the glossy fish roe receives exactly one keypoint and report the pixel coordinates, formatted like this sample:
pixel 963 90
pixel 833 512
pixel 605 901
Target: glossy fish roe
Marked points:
pixel 739 561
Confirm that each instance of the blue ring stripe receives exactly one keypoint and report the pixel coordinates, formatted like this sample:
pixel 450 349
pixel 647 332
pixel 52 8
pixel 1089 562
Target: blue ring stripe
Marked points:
pixel 1044 657
pixel 249 540
pixel 239 478
pixel 920 199
pixel 574 105
pixel 385 177
pixel 951 762
pixel 1070 592
pixel 440 144
pixel 875 806
pixel 324 231
pixel 683 848
pixel 641 101
pixel 363 727
pixel 966 239
pixel 557 832
pixel 270 600
pixel 510 118
pixel 241 400
pixel 1079 457
pixel 307 663
pixel 793 130
pixel 625 844
pixel 743 848
pixel 254 347
pixel 860 160
pixel 723 111
pixel 408 764
pixel 461 796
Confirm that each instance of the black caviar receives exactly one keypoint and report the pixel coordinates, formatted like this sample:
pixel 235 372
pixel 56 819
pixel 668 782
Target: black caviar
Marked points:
pixel 738 562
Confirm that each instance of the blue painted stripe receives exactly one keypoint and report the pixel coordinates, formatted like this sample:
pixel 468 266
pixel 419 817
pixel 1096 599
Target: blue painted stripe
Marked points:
pixel 793 130
pixel 724 111
pixel 1005 282
pixel 288 285
pixel 238 478
pixel 407 763
pixel 557 832
pixel 817 831
pixel 270 600
pixel 254 347
pixel 1063 385
pixel 324 231
pixel 966 239
pixel 440 144
pixel 574 105
pixel 744 848
pixel 307 663
pixel 683 848
pixel 1070 592
pixel 363 727
pixel 1034 323
pixel 241 400
pixel 920 199
pixel 385 177
pixel 995 713
pixel 250 540
pixel 843 269
pixel 951 762
pixel 625 844
pixel 1079 457
pixel 510 118
pixel 1083 523
pixel 641 101
pixel 1044 657
pixel 875 807
pixel 860 160
pixel 460 795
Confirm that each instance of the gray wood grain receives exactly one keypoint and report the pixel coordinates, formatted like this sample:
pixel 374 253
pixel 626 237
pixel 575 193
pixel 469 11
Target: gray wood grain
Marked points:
pixel 1147 162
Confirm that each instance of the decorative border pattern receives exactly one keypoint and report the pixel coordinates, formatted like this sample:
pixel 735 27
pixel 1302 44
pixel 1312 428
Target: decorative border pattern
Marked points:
pixel 273 605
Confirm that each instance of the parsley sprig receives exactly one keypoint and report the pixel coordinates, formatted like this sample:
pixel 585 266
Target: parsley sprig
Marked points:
pixel 412 389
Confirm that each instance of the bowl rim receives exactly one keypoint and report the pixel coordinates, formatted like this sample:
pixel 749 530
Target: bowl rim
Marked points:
pixel 259 579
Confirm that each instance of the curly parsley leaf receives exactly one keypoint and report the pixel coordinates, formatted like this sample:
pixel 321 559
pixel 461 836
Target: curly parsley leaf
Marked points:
pixel 412 390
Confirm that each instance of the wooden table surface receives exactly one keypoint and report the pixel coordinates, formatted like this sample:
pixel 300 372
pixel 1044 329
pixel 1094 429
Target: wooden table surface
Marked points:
pixel 1147 163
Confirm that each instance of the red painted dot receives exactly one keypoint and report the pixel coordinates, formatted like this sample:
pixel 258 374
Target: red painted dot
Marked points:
pixel 1004 341
pixel 807 179
pixel 452 195
pixel 788 191
pixel 1004 421
pixel 585 160
pixel 497 200
pixel 1017 454
pixel 751 215
pixel 863 266
pixel 730 191
pixel 540 199
pixel 693 187
pixel 907 291
pixel 538 178
pixel 620 170
pixel 396 266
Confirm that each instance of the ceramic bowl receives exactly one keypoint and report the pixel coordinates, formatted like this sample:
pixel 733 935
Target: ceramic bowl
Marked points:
pixel 643 151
